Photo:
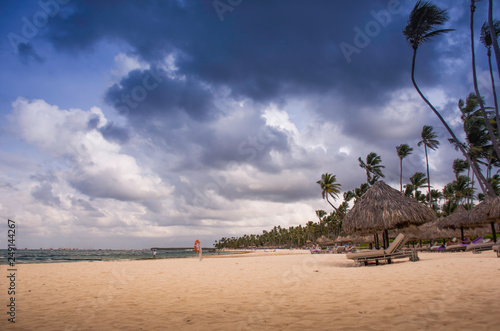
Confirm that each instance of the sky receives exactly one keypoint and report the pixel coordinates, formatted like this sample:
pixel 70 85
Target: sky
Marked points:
pixel 133 124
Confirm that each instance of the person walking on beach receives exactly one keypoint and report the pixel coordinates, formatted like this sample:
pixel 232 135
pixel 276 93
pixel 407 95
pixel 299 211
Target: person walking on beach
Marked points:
pixel 154 254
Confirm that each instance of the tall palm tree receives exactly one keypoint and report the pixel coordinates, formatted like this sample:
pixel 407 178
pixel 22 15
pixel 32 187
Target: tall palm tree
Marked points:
pixel 403 151
pixel 423 23
pixel 493 138
pixel 329 187
pixel 372 167
pixel 487 42
pixel 429 141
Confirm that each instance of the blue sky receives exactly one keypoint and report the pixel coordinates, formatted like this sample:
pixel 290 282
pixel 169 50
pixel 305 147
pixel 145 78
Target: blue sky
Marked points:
pixel 130 124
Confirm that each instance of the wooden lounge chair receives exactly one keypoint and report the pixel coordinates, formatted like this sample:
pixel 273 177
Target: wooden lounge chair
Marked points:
pixel 394 251
pixel 496 248
pixel 456 248
pixel 482 246
pixel 424 248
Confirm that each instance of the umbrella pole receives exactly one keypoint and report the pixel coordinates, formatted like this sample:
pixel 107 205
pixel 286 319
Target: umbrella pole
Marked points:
pixel 386 243
pixel 462 232
pixel 494 231
pixel 375 237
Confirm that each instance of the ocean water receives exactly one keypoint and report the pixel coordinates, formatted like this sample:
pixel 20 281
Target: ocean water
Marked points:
pixel 27 256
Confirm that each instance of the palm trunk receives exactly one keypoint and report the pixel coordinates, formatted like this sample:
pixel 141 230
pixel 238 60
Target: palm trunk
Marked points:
pixel 401 175
pixel 494 140
pixel 493 35
pixel 497 117
pixel 485 186
pixel 336 210
pixel 428 175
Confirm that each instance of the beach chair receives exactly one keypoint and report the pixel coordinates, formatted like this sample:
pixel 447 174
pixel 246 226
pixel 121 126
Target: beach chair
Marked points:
pixel 394 251
pixel 496 248
pixel 340 249
pixel 477 246
pixel 424 248
pixel 456 248
pixel 437 248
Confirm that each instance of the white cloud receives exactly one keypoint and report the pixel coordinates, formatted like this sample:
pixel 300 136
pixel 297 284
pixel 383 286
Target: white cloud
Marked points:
pixel 96 166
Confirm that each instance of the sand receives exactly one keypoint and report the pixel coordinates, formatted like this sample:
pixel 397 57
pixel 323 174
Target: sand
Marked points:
pixel 289 290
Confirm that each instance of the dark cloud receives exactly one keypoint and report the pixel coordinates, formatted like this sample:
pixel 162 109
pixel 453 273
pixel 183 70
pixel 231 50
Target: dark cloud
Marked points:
pixel 114 133
pixel 27 53
pixel 263 50
pixel 43 193
pixel 152 93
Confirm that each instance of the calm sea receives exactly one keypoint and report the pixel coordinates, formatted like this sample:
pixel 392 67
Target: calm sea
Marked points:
pixel 26 256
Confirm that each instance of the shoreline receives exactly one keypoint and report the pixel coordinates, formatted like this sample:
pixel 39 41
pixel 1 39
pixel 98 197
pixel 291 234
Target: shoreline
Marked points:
pixel 292 290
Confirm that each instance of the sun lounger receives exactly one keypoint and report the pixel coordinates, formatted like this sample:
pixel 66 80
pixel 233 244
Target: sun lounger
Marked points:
pixel 496 248
pixel 340 249
pixel 456 248
pixel 438 248
pixel 425 248
pixel 478 247
pixel 394 251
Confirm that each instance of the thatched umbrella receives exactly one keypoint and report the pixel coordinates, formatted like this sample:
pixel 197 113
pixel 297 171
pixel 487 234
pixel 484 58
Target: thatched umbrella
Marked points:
pixel 487 211
pixel 461 218
pixel 383 208
pixel 342 240
pixel 324 241
pixel 431 231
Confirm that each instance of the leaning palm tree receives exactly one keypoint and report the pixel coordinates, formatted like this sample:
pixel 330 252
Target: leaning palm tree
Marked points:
pixel 372 167
pixel 429 141
pixel 487 42
pixel 422 26
pixel 493 138
pixel 329 187
pixel 403 151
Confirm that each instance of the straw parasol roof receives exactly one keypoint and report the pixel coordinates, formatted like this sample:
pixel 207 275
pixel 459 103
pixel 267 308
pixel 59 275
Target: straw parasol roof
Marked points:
pixel 432 231
pixel 487 211
pixel 493 214
pixel 324 241
pixel 346 239
pixel 384 208
pixel 460 218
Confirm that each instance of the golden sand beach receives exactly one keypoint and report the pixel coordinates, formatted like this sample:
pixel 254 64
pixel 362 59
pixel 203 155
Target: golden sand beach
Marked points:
pixel 282 290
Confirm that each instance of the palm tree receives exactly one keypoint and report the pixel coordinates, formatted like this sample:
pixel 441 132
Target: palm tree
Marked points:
pixel 409 188
pixel 372 167
pixel 418 180
pixel 459 166
pixel 462 189
pixel 493 138
pixel 422 26
pixel 487 42
pixel 403 151
pixel 429 141
pixel 359 191
pixel 435 197
pixel 329 187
